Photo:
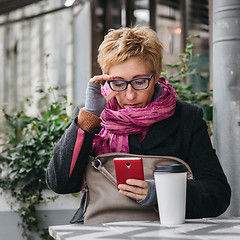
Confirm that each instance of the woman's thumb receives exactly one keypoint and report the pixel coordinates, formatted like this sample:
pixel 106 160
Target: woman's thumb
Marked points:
pixel 111 95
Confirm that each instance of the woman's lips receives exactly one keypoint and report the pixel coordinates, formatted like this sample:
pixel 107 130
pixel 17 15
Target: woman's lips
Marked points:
pixel 132 105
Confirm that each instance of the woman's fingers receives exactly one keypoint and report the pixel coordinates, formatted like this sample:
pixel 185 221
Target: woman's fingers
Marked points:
pixel 99 78
pixel 136 189
pixel 139 183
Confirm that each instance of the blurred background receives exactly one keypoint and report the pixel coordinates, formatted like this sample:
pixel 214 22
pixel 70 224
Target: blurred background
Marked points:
pixel 51 42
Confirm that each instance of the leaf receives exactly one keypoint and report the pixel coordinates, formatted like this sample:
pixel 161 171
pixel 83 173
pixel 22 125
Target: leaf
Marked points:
pixel 196 36
pixel 174 65
pixel 76 194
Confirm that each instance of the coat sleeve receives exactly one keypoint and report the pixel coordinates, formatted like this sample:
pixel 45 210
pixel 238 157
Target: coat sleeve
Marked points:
pixel 208 195
pixel 65 171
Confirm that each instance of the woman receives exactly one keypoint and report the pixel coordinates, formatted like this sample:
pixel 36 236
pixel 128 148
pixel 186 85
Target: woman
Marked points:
pixel 137 112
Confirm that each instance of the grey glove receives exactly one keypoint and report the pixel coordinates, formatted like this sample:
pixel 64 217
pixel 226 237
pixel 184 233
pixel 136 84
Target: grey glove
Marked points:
pixel 95 101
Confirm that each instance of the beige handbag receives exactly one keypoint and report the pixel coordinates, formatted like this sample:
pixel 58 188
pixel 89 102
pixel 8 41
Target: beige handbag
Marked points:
pixel 103 201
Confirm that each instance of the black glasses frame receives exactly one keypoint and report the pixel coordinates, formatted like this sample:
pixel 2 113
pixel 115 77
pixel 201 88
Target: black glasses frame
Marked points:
pixel 130 82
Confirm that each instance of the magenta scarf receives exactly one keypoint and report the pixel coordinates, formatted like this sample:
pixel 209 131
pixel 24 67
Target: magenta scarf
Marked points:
pixel 118 123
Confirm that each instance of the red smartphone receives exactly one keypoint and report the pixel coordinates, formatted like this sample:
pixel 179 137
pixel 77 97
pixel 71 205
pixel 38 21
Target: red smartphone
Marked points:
pixel 128 168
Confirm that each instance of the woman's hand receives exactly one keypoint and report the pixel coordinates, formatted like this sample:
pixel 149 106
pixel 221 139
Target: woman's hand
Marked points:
pixel 136 189
pixel 99 79
pixel 95 101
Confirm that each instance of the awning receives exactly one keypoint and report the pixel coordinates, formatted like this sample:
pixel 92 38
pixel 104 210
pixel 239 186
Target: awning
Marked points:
pixel 7 6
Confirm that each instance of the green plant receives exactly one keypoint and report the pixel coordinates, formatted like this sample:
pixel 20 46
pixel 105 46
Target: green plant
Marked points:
pixel 23 162
pixel 186 68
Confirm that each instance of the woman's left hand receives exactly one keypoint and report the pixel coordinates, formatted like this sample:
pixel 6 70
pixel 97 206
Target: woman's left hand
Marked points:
pixel 134 188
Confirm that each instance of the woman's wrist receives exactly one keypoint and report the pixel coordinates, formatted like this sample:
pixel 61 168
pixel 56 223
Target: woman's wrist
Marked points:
pixel 95 101
pixel 151 197
pixel 87 121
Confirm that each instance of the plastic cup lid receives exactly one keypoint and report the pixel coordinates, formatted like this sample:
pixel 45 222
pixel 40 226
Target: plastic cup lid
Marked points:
pixel 173 168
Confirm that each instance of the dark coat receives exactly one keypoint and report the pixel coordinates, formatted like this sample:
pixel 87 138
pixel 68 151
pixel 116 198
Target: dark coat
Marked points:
pixel 183 135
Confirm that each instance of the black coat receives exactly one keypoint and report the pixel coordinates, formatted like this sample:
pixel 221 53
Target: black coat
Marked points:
pixel 183 135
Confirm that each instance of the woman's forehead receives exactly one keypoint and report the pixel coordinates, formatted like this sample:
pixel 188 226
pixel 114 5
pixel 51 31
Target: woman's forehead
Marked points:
pixel 133 65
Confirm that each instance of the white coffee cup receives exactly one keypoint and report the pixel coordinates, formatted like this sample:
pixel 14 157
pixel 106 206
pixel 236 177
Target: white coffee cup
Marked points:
pixel 171 182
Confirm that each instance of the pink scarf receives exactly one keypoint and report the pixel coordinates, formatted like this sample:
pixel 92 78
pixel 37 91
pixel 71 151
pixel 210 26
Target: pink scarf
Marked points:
pixel 118 123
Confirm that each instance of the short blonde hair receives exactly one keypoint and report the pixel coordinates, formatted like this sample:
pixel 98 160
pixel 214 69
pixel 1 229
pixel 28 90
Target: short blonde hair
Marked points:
pixel 121 44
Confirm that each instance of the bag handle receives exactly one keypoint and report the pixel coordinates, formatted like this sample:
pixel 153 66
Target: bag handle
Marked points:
pixel 97 164
pixel 104 156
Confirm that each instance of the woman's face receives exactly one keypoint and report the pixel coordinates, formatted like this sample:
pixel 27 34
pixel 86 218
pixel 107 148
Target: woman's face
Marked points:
pixel 128 70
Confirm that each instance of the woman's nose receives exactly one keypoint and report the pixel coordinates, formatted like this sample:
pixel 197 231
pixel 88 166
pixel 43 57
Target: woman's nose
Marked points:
pixel 130 92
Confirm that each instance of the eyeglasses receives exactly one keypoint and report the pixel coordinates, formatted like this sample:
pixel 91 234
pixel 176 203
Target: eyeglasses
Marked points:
pixel 136 83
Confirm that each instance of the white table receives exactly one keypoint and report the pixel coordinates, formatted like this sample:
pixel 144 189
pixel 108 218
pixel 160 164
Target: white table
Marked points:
pixel 207 229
